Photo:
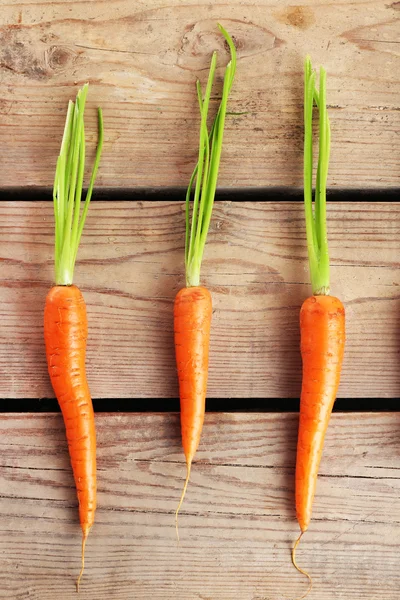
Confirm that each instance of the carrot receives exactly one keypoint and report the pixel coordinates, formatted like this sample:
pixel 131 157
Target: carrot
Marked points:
pixel 193 304
pixel 322 317
pixel 65 321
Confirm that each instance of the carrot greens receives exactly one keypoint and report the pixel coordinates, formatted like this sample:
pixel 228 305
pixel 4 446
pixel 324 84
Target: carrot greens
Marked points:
pixel 205 174
pixel 317 241
pixel 68 184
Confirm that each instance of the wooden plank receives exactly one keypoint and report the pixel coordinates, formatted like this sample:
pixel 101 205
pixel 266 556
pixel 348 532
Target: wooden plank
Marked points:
pixel 142 59
pixel 131 266
pixel 237 524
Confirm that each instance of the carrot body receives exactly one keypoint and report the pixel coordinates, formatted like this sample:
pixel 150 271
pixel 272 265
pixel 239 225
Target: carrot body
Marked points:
pixel 65 332
pixel 322 326
pixel 192 321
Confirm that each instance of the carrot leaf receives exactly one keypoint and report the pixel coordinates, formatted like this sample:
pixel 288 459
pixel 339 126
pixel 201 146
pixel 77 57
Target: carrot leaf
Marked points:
pixel 68 185
pixel 315 212
pixel 205 174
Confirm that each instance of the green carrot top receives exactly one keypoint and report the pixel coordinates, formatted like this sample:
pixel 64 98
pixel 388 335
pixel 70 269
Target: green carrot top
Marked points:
pixel 317 241
pixel 206 171
pixel 68 184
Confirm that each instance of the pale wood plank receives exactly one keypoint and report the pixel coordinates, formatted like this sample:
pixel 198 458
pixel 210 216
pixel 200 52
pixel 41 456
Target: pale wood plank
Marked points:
pixel 142 59
pixel 237 524
pixel 131 266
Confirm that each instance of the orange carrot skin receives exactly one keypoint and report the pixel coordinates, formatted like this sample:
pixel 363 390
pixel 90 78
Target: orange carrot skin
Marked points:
pixel 65 332
pixel 192 322
pixel 322 326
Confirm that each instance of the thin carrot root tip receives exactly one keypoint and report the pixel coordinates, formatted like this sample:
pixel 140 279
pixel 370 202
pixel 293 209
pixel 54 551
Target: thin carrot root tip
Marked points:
pixel 84 538
pixel 189 466
pixel 302 571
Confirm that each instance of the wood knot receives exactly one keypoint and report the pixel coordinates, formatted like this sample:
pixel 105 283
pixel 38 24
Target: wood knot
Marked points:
pixel 18 55
pixel 301 17
pixel 200 39
pixel 58 58
pixel 26 51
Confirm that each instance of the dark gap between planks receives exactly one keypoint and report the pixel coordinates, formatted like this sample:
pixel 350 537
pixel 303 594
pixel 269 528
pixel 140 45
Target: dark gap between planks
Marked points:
pixel 150 405
pixel 234 195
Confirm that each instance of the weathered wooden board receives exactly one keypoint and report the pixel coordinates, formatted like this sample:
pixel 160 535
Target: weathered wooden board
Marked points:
pixel 142 58
pixel 237 524
pixel 131 266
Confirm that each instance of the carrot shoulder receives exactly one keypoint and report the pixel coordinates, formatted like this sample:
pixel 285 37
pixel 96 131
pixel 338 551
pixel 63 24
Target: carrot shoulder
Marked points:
pixel 65 320
pixel 193 305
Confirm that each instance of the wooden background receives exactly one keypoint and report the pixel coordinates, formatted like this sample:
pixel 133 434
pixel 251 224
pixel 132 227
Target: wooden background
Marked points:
pixel 142 59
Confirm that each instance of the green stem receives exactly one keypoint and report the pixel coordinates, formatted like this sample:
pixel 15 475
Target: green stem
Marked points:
pixel 79 185
pixel 59 183
pixel 216 157
pixel 68 184
pixel 190 186
pixel 316 227
pixel 92 178
pixel 202 163
pixel 206 169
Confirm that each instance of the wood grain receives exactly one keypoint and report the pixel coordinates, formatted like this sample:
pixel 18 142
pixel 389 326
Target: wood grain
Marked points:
pixel 142 59
pixel 130 267
pixel 237 524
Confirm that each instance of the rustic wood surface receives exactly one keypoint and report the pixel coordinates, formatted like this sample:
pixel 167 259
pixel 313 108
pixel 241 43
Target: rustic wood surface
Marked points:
pixel 237 524
pixel 131 266
pixel 142 59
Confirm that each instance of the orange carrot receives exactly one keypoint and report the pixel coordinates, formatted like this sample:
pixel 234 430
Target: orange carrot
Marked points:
pixel 192 322
pixel 193 305
pixel 65 321
pixel 322 329
pixel 322 318
pixel 65 331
